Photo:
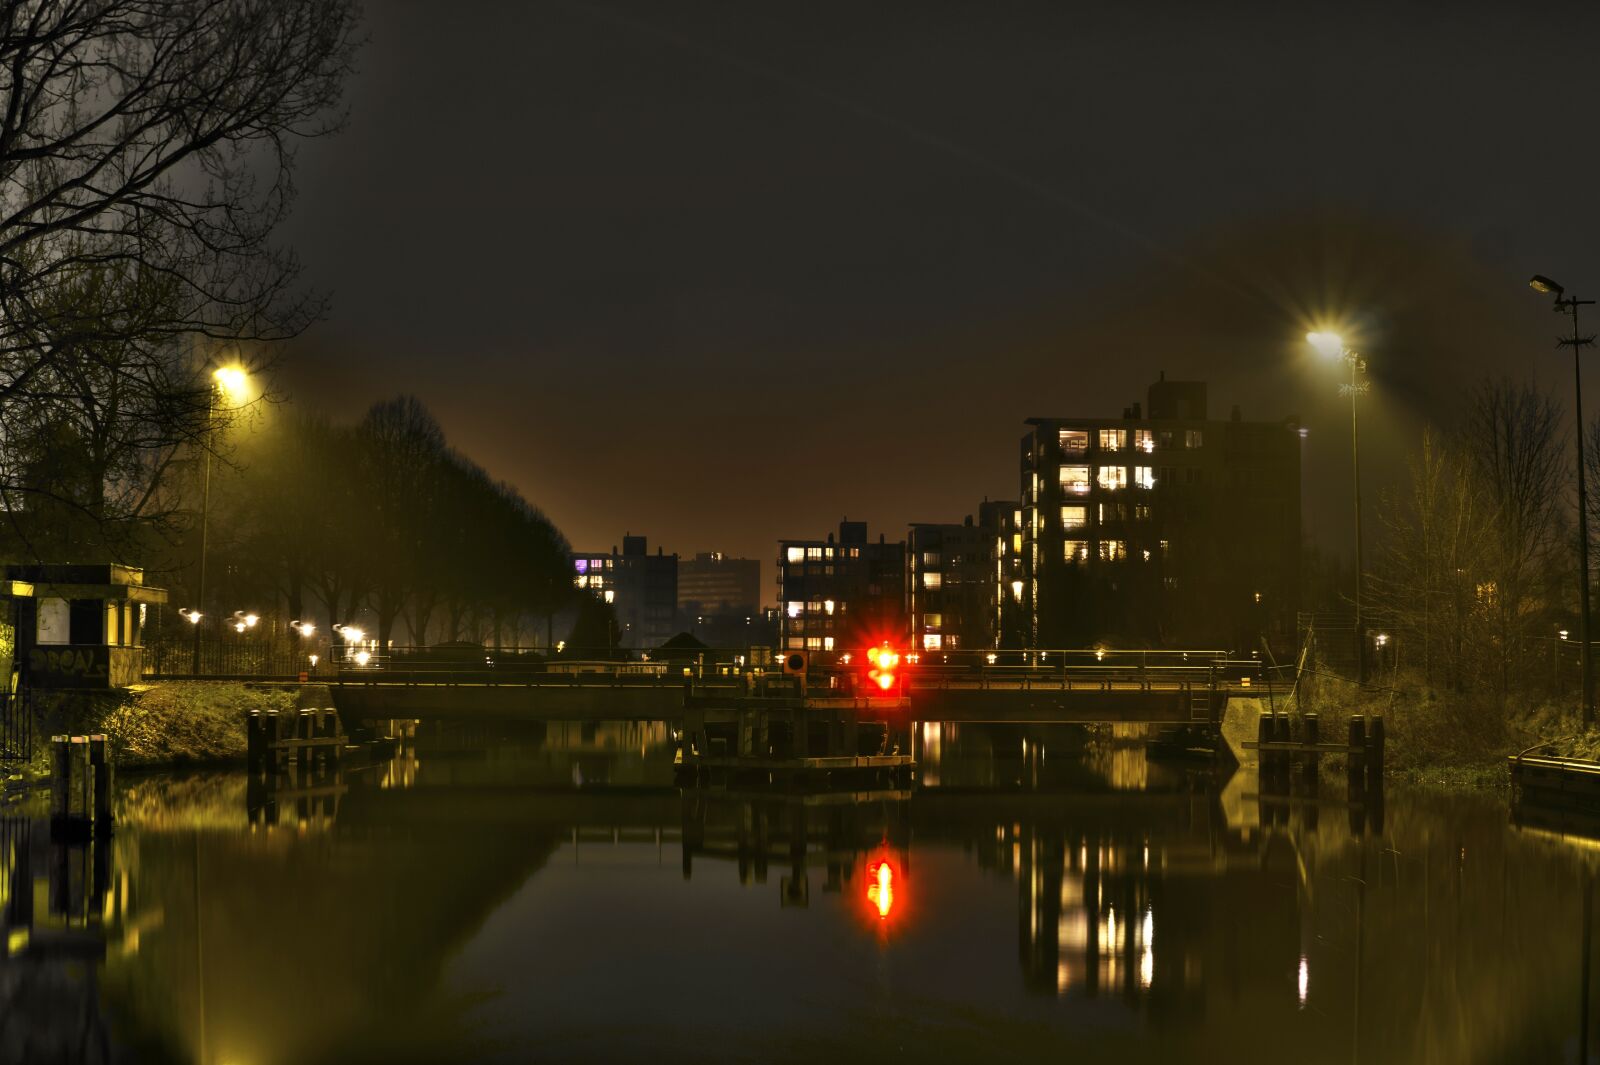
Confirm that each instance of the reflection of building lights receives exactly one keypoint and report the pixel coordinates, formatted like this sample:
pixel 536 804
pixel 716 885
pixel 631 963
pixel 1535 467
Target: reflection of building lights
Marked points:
pixel 991 656
pixel 313 661
pixel 1304 980
pixel 363 657
pixel 880 890
pixel 1147 968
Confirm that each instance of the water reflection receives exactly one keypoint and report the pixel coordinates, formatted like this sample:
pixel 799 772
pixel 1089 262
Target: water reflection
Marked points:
pixel 496 896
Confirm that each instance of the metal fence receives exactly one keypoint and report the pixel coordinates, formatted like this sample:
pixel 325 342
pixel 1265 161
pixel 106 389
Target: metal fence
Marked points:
pixel 16 726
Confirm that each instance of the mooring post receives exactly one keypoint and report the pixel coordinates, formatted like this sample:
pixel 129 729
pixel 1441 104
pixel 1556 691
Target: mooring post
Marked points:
pixel 1375 754
pixel 1355 757
pixel 254 741
pixel 81 795
pixel 1264 757
pixel 1313 729
pixel 100 766
pixel 60 777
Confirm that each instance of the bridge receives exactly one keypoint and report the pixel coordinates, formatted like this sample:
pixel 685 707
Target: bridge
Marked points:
pixel 1170 687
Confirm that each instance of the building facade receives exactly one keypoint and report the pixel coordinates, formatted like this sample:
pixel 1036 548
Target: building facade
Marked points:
pixel 642 588
pixel 713 583
pixel 840 594
pixel 1160 529
pixel 951 586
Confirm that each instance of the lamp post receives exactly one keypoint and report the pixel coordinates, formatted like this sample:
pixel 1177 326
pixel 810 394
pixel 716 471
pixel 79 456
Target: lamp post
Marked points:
pixel 1332 345
pixel 1569 305
pixel 230 382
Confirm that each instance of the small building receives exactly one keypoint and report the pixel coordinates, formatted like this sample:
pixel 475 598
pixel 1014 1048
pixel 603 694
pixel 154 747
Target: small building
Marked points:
pixel 951 583
pixel 82 626
pixel 641 587
pixel 841 594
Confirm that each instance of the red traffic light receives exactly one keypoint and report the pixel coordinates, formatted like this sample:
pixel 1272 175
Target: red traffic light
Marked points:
pixel 884 661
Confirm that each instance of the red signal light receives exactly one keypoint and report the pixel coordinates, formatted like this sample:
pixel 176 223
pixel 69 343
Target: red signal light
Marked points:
pixel 885 661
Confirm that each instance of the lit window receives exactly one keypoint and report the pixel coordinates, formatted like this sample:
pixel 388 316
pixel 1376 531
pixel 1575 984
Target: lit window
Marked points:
pixel 827 643
pixel 813 552
pixel 1074 517
pixel 795 643
pixel 815 606
pixel 583 582
pixel 813 643
pixel 932 641
pixel 1076 550
pixel 932 580
pixel 1144 440
pixel 796 554
pixel 1075 479
pixel 1144 476
pixel 827 552
pixel 597 581
pixel 1113 550
pixel 1141 511
pixel 1113 439
pixel 827 606
pixel 1191 438
pixel 1074 440
pixel 1016 543
pixel 1166 545
pixel 1016 590
pixel 933 621
pixel 610 563
pixel 930 558
pixel 1112 477
pixel 795 608
pixel 611 596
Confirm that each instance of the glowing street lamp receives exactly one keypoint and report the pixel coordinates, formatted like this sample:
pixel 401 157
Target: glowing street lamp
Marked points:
pixel 191 615
pixel 1569 305
pixel 1331 345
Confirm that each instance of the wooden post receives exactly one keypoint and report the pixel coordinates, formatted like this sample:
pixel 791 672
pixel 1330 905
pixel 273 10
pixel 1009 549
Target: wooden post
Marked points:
pixel 60 777
pixel 1356 757
pixel 1375 754
pixel 100 766
pixel 254 741
pixel 1263 756
pixel 1313 727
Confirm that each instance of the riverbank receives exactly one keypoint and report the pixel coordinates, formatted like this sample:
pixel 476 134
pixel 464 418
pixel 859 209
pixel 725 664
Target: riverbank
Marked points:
pixel 159 726
pixel 1446 739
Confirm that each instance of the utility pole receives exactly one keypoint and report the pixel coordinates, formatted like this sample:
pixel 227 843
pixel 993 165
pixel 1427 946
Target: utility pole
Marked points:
pixel 1569 305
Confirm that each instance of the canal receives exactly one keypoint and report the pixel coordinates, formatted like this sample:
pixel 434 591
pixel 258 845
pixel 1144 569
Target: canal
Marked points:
pixel 549 895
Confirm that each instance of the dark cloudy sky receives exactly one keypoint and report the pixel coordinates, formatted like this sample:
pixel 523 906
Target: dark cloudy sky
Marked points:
pixel 720 272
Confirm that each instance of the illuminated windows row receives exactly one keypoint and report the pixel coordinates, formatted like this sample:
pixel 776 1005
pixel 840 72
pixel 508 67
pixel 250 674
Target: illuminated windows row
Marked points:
pixel 1106 550
pixel 1076 441
pixel 1075 479
pixel 809 643
pixel 816 554
pixel 1077 516
pixel 796 607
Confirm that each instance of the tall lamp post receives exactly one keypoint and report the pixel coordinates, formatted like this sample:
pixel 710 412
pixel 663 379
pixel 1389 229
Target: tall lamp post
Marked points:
pixel 229 383
pixel 1332 345
pixel 1569 305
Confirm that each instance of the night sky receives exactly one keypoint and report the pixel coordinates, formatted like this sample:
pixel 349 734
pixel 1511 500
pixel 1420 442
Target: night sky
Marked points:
pixel 718 273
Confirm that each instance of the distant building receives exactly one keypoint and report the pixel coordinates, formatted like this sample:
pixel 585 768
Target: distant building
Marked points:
pixel 1167 529
pixel 951 586
pixel 719 601
pixel 641 587
pixel 840 594
pixel 1011 622
pixel 713 583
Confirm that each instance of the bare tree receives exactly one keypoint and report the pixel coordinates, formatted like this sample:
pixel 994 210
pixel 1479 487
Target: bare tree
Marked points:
pixel 1512 437
pixel 146 155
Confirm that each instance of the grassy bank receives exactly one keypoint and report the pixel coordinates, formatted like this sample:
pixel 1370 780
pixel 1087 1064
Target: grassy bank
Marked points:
pixel 176 723
pixel 1442 738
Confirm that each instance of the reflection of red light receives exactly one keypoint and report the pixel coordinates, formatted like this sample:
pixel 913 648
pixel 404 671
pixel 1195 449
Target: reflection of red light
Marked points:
pixel 880 889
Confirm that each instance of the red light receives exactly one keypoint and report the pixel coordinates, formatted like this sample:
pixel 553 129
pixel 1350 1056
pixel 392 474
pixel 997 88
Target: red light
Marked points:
pixel 884 660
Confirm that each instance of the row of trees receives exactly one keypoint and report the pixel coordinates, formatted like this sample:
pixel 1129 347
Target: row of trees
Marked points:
pixel 147 158
pixel 328 520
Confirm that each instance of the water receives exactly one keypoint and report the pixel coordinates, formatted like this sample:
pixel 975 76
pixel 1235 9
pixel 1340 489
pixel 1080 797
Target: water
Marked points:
pixel 554 898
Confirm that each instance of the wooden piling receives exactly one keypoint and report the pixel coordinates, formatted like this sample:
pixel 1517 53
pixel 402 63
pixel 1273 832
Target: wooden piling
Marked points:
pixel 1356 759
pixel 1313 730
pixel 101 770
pixel 1375 737
pixel 60 777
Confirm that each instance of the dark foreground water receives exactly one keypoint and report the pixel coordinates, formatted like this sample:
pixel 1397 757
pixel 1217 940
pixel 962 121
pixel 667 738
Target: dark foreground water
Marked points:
pixel 554 898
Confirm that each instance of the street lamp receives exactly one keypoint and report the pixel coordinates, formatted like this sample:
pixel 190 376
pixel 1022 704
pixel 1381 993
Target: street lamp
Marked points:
pixel 1332 346
pixel 232 383
pixel 1569 305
